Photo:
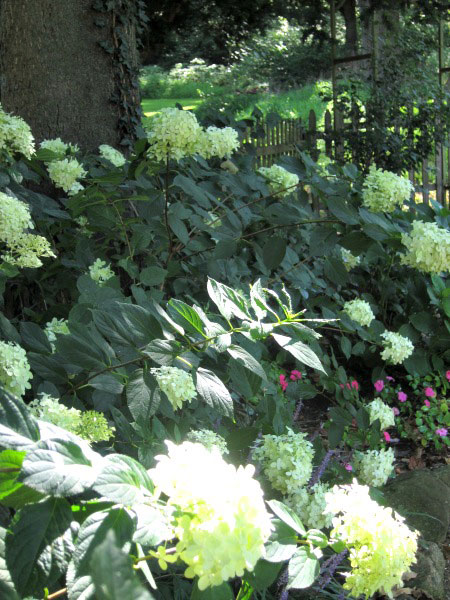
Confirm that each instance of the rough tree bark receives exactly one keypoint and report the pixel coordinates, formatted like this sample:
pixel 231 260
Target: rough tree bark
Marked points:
pixel 63 69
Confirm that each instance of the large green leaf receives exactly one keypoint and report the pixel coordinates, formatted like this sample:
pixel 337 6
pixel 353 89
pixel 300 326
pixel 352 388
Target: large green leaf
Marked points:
pixel 218 592
pixel 303 569
pixel 113 575
pixel 18 429
pixel 13 493
pixel 7 591
pixel 300 351
pixel 126 324
pixel 163 352
pixel 247 360
pixel 34 338
pixel 287 515
pixel 40 545
pixel 273 252
pixel 92 533
pixel 60 467
pixel 189 315
pixel 123 480
pixel 229 302
pixel 143 396
pixel 342 210
pixel 213 391
pixel 151 527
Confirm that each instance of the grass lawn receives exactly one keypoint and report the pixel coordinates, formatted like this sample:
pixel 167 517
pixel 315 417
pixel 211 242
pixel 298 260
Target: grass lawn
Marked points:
pixel 151 106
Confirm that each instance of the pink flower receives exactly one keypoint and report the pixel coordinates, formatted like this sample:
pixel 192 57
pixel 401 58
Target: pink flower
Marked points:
pixel 389 378
pixel 341 385
pixel 355 385
pixel 387 437
pixel 395 411
pixel 402 397
pixel 429 392
pixel 427 403
pixel 283 382
pixel 379 385
pixel 295 375
pixel 348 467
pixel 442 432
pixel 447 374
pixel 348 386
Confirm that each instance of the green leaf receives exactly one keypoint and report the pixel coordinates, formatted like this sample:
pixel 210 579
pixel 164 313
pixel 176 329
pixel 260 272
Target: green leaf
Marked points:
pixel 273 252
pixel 18 429
pixel 7 591
pixel 317 538
pixel 335 271
pixel 93 531
pixel 213 391
pixel 107 382
pixel 152 276
pixel 276 552
pixel 163 352
pixel 287 515
pixel 229 302
pixel 127 324
pixel 303 569
pixel 263 575
pixel 193 190
pixel 342 210
pixel 113 575
pixel 60 467
pixel 247 360
pixel 151 526
pixel 12 492
pixel 244 381
pixel 40 545
pixel 300 351
pixel 218 592
pixel 335 434
pixel 34 338
pixel 258 300
pixel 189 314
pixel 346 346
pixel 123 480
pixel 143 395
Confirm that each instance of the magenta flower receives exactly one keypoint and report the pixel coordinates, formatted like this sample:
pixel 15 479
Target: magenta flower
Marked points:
pixel 348 467
pixel 355 385
pixel 402 397
pixel 389 378
pixel 379 385
pixel 427 403
pixel 395 411
pixel 442 432
pixel 429 392
pixel 341 385
pixel 295 375
pixel 283 382
pixel 447 374
pixel 387 437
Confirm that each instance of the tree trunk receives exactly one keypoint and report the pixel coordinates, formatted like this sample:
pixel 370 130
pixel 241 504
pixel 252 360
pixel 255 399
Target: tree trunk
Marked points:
pixel 348 11
pixel 70 70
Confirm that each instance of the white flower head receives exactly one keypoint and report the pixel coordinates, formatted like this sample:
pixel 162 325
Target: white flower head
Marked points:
pixel 383 191
pixel 100 271
pixel 174 134
pixel 15 135
pixel 220 142
pixel 350 260
pixel 15 373
pixel 428 248
pixel 373 467
pixel 280 181
pixel 65 174
pixel 177 384
pixel 359 311
pixel 379 410
pixel 114 156
pixel 209 439
pixel 397 347
pixel 310 505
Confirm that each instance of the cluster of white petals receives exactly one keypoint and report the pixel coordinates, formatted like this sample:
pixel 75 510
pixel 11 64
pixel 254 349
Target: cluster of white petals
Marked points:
pixel 65 174
pixel 350 260
pixel 310 505
pixel 373 467
pixel 208 438
pixel 396 347
pixel 382 548
pixel 220 142
pixel 280 181
pixel 177 384
pixel 379 410
pixel 383 191
pixel 114 156
pixel 100 271
pixel 428 248
pixel 15 373
pixel 359 311
pixel 286 460
pixel 221 523
pixel 58 147
pixel 15 135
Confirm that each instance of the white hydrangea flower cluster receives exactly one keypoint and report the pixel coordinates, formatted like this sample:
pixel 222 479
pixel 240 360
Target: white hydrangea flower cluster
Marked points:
pixel 374 466
pixel 53 327
pixel 359 311
pixel 59 147
pixel 100 271
pixel 224 522
pixel 279 180
pixel 90 425
pixel 428 248
pixel 382 548
pixel 114 156
pixel 23 249
pixel 65 174
pixel 209 439
pixel 310 506
pixel 383 190
pixel 396 347
pixel 15 373
pixel 379 410
pixel 15 135
pixel 286 460
pixel 350 260
pixel 176 133
pixel 220 142
pixel 177 384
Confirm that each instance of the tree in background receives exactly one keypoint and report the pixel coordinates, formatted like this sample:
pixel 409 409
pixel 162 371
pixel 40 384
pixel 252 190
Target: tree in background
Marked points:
pixel 69 68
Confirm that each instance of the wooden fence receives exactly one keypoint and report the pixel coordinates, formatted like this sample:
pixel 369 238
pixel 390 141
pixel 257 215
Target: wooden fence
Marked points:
pixel 289 136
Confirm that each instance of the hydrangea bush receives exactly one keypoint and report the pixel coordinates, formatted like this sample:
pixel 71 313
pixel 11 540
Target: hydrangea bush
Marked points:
pixel 384 191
